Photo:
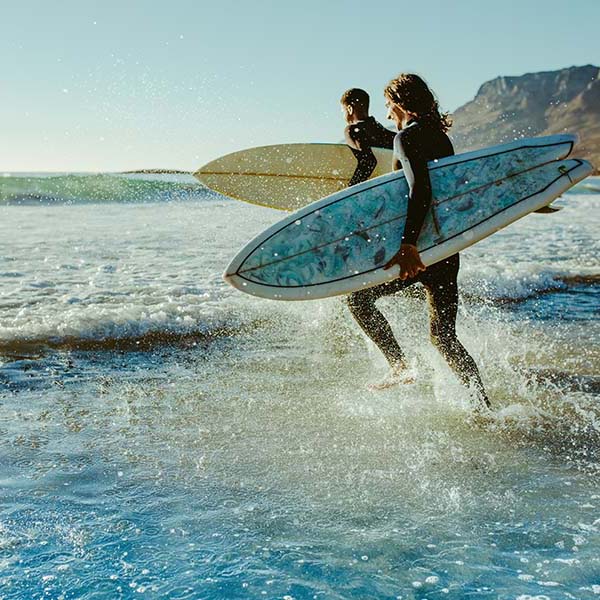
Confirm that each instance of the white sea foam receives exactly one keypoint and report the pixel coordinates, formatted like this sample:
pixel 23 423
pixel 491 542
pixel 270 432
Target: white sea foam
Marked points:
pixel 127 270
pixel 267 463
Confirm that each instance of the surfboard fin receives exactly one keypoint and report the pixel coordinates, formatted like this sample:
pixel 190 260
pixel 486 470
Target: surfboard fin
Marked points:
pixel 548 210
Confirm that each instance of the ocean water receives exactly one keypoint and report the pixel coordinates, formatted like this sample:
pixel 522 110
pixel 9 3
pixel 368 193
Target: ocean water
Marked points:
pixel 165 436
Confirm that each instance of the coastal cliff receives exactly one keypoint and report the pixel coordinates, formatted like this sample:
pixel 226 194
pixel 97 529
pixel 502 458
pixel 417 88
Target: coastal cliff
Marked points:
pixel 508 108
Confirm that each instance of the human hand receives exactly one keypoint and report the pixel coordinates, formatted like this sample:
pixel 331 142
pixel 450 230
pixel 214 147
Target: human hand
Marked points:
pixel 409 261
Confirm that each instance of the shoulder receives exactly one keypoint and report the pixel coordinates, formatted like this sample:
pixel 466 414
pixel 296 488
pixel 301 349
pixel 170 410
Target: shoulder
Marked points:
pixel 355 131
pixel 359 136
pixel 411 132
pixel 406 138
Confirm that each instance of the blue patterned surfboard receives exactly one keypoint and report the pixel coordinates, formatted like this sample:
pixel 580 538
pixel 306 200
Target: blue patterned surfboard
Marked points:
pixel 339 244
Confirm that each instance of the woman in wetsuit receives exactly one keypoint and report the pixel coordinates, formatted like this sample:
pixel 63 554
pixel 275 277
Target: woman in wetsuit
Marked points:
pixel 421 138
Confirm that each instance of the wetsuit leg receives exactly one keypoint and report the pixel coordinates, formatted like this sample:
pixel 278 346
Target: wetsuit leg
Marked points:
pixel 442 291
pixel 371 320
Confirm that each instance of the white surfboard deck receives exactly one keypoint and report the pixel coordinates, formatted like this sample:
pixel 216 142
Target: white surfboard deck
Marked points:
pixel 339 244
pixel 286 176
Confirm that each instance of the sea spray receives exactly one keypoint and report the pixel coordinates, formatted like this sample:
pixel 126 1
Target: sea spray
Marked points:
pixel 162 432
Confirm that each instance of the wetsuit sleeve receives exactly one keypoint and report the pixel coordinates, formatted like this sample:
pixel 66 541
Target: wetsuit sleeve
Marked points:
pixel 358 143
pixel 385 137
pixel 410 156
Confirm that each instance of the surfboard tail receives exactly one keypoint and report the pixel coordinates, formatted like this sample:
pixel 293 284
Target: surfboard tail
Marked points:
pixel 564 144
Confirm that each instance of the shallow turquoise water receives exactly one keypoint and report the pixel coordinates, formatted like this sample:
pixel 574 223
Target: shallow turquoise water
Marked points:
pixel 163 436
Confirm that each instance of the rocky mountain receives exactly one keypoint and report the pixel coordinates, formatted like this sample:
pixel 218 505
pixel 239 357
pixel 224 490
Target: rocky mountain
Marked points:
pixel 508 108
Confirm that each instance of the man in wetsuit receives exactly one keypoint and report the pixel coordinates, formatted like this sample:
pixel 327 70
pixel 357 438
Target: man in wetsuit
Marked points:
pixel 363 133
pixel 421 138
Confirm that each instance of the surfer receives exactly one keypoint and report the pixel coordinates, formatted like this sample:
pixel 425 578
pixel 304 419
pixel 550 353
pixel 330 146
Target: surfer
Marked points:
pixel 362 133
pixel 421 137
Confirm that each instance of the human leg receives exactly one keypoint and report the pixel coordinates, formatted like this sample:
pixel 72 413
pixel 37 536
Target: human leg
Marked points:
pixel 373 323
pixel 440 281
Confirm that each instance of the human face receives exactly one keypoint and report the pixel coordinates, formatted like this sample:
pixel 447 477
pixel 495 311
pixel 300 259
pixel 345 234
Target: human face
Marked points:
pixel 396 113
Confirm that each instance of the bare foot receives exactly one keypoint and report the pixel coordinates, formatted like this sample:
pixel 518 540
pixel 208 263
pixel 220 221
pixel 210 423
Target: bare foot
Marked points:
pixel 395 376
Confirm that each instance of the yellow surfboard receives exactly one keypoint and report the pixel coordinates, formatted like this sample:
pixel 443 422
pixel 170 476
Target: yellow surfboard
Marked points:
pixel 286 176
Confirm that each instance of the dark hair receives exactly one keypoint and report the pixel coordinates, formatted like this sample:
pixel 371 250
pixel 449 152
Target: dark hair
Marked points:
pixel 355 97
pixel 412 93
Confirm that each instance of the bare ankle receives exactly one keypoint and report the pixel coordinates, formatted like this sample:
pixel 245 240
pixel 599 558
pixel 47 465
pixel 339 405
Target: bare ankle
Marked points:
pixel 398 366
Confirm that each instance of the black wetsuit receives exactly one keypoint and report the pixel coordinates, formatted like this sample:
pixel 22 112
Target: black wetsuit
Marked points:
pixel 363 136
pixel 414 146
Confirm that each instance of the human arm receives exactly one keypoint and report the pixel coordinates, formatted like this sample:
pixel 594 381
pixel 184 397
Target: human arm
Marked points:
pixel 366 162
pixel 408 156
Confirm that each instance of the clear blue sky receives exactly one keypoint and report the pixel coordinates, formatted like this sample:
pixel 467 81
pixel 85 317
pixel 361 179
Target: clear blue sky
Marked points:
pixel 104 85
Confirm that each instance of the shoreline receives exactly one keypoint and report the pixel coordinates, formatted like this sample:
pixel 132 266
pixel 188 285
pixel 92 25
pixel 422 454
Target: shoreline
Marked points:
pixel 155 172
